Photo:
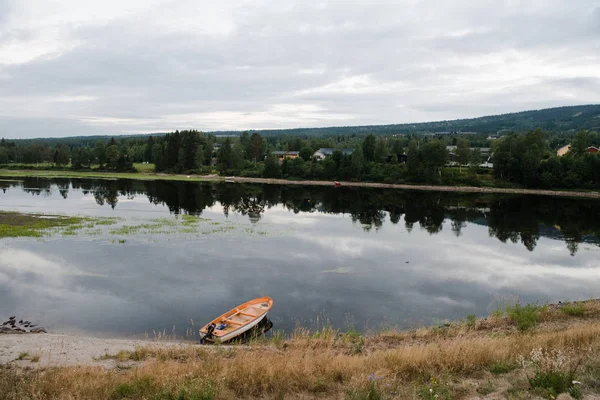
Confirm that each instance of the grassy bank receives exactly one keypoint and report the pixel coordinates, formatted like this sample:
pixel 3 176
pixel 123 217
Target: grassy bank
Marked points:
pixel 518 353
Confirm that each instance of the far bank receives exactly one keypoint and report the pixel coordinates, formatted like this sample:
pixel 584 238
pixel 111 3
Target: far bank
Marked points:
pixel 16 174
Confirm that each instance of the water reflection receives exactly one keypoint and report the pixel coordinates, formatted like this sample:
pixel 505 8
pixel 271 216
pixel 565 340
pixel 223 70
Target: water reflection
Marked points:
pixel 377 256
pixel 509 218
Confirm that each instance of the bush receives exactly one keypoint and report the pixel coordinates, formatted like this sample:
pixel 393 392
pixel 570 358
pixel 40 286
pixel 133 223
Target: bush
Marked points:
pixel 574 310
pixel 525 317
pixel 471 320
pixel 554 372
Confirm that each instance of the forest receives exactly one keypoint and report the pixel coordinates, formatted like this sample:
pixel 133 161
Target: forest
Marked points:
pixel 525 160
pixel 521 147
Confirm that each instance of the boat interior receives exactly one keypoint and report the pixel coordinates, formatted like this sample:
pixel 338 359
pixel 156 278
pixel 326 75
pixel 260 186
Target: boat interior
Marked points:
pixel 239 317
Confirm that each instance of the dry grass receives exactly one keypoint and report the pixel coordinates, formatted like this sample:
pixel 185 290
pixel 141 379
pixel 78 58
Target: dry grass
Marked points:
pixel 463 360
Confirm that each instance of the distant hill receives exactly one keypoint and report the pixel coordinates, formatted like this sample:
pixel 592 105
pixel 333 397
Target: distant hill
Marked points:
pixel 559 119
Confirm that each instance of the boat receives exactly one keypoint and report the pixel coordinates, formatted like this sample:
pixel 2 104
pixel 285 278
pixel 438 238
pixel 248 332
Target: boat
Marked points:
pixel 236 321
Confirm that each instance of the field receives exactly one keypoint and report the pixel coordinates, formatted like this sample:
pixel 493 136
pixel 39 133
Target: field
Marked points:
pixel 144 167
pixel 520 352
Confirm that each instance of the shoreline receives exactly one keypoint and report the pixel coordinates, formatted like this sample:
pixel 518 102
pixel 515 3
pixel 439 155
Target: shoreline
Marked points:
pixel 468 359
pixel 271 181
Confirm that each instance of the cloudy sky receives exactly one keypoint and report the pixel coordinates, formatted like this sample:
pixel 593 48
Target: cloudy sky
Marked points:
pixel 73 67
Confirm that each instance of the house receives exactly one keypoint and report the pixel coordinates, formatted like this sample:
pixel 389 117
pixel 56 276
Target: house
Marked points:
pixel 325 152
pixel 484 152
pixel 563 150
pixel 282 155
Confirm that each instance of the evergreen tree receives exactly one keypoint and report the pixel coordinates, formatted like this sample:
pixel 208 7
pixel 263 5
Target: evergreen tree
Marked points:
pixel 414 160
pixel 224 156
pixel 148 149
pixel 381 151
pixel 158 157
pixel 368 147
pixel 357 162
pixel 3 155
pixel 200 157
pixel 463 153
pixel 61 157
pixel 306 153
pixel 256 148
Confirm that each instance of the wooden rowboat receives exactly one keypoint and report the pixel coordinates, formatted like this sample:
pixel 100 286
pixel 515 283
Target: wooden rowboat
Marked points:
pixel 237 321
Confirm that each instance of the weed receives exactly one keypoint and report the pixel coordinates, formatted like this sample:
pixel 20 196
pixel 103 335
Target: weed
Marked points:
pixel 554 372
pixel 574 310
pixel 486 388
pixel 525 317
pixel 502 368
pixel 22 356
pixel 370 392
pixel 471 320
pixel 35 358
pixel 139 387
pixel 434 391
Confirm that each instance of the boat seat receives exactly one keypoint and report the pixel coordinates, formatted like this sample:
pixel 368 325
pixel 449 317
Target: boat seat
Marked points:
pixel 234 322
pixel 247 314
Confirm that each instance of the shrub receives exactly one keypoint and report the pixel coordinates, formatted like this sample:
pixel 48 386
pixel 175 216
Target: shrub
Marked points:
pixel 554 372
pixel 525 317
pixel 471 320
pixel 574 310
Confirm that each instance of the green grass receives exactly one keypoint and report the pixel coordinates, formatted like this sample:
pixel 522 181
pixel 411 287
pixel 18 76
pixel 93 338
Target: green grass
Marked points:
pixel 471 320
pixel 22 356
pixel 370 392
pixel 141 167
pixel 99 175
pixel 525 317
pixel 554 383
pixel 500 368
pixel 14 224
pixel 573 310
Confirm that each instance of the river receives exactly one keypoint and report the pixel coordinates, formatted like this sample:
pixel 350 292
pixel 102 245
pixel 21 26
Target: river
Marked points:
pixel 346 257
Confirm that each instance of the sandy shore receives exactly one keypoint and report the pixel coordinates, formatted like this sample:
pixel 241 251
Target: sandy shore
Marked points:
pixel 68 350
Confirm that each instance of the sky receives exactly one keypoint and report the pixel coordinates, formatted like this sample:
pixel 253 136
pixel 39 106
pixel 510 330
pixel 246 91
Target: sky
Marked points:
pixel 77 67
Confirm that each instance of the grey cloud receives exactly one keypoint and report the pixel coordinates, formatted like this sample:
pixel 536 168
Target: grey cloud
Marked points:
pixel 366 63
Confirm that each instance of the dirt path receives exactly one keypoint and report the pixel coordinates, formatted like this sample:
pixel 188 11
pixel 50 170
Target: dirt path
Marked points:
pixel 217 178
pixel 462 189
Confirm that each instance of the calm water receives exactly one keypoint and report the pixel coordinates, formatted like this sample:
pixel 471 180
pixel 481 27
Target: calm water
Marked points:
pixel 351 257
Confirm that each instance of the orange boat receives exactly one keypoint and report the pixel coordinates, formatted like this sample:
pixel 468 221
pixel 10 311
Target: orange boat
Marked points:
pixel 236 321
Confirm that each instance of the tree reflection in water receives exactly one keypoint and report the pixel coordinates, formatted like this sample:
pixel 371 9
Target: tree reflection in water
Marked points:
pixel 508 217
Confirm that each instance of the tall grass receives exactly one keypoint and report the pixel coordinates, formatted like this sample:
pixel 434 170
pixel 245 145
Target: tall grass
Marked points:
pixel 324 363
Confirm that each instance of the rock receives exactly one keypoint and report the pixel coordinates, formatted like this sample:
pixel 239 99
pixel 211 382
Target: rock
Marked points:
pixel 38 330
pixel 12 318
pixel 564 396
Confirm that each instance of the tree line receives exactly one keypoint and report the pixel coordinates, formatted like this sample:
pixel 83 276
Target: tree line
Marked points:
pixel 526 159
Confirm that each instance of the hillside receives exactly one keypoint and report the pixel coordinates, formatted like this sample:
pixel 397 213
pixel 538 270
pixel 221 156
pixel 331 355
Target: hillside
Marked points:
pixel 559 119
